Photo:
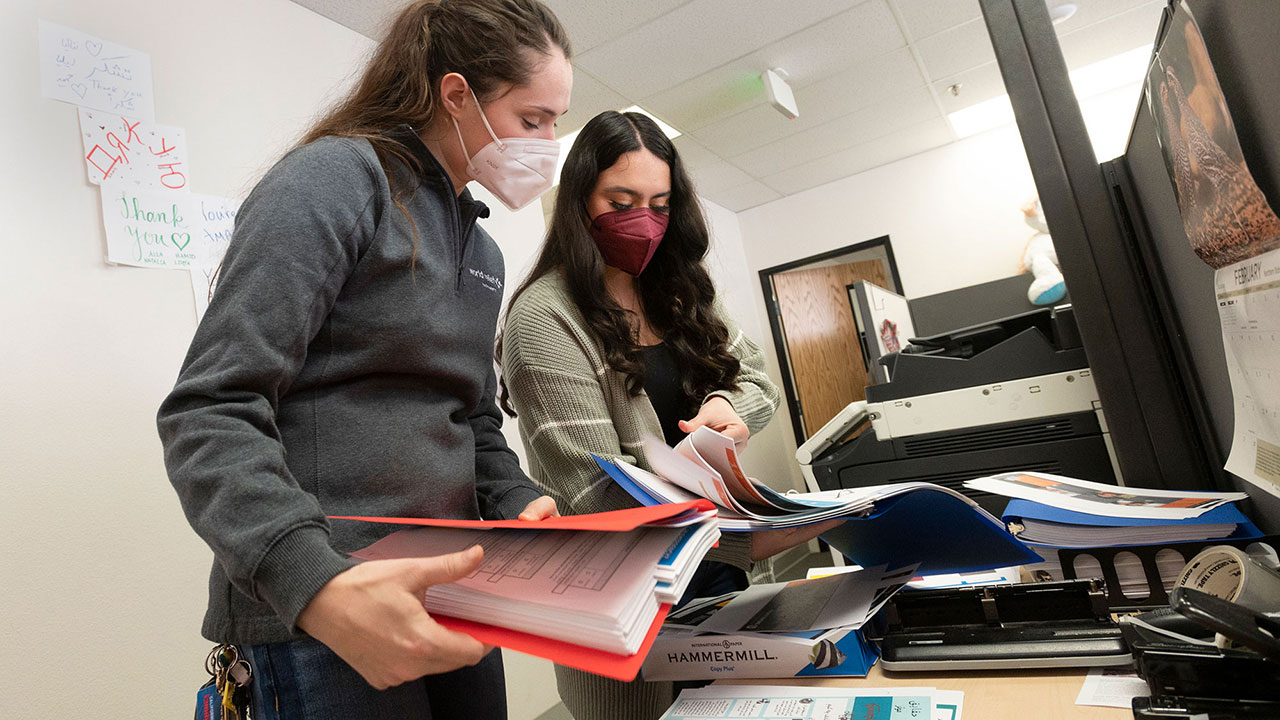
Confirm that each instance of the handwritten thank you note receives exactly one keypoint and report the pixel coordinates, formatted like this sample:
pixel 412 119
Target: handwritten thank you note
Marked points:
pixel 161 229
pixel 83 70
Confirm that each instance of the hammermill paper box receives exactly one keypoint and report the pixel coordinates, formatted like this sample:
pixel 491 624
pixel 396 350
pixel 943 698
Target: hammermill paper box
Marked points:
pixel 684 655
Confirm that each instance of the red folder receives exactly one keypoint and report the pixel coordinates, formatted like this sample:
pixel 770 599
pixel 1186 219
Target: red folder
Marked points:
pixel 613 521
pixel 600 662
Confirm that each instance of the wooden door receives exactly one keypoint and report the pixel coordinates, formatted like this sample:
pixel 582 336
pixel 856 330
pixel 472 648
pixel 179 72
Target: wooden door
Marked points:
pixel 826 364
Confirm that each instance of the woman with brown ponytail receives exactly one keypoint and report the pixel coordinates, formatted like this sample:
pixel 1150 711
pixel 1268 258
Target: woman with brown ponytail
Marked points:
pixel 344 367
pixel 615 335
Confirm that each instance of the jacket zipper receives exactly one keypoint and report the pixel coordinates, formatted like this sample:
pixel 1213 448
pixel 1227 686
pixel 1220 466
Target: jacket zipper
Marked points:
pixel 463 243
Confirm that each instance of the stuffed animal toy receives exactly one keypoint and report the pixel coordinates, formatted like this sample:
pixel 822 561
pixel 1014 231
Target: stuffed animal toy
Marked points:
pixel 1040 258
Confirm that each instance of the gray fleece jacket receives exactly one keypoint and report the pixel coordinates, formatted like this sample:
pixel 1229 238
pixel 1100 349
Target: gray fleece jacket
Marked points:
pixel 336 373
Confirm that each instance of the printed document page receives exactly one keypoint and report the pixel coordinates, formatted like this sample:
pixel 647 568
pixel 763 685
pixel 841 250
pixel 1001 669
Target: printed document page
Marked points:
pixel 1112 687
pixel 764 702
pixel 843 600
pixel 1100 499
pixel 1248 296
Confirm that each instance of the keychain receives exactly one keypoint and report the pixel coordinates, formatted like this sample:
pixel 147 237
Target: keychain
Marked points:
pixel 226 695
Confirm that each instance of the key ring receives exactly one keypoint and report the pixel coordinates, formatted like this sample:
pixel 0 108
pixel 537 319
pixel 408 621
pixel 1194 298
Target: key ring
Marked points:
pixel 228 655
pixel 210 661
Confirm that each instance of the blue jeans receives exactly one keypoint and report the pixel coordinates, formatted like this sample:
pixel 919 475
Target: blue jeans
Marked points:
pixel 305 680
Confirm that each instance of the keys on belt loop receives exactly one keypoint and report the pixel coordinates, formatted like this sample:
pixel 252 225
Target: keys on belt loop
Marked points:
pixel 226 695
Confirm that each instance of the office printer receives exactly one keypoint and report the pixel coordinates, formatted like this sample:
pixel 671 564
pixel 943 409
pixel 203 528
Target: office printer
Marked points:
pixel 1012 394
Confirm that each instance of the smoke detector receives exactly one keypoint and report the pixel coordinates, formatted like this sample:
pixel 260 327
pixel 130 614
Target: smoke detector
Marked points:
pixel 779 92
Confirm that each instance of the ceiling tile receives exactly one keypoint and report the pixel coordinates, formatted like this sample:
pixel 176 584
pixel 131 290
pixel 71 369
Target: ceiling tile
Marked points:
pixel 817 52
pixel 929 17
pixel 370 19
pixel 720 93
pixel 718 176
pixel 748 130
pixel 590 98
pixel 1089 12
pixel 744 196
pixel 861 158
pixel 953 51
pixel 698 37
pixel 981 83
pixel 907 110
pixel 861 85
pixel 856 34
pixel 591 22
pixel 709 172
pixel 693 153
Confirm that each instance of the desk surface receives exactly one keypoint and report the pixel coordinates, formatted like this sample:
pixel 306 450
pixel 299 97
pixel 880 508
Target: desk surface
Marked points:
pixel 992 695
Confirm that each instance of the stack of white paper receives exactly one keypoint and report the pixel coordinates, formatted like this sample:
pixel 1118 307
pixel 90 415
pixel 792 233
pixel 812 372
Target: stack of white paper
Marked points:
pixel 1083 536
pixel 600 590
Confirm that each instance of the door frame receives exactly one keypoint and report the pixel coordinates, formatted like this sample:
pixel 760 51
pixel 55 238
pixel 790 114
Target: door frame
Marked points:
pixel 775 313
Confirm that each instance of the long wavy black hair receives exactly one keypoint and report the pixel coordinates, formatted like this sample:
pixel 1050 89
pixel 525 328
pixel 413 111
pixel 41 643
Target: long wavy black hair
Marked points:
pixel 675 290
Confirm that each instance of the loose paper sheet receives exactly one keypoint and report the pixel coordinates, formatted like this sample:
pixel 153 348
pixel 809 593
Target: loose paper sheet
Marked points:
pixel 167 230
pixel 149 155
pixel 765 702
pixel 84 70
pixel 1248 296
pixel 1112 687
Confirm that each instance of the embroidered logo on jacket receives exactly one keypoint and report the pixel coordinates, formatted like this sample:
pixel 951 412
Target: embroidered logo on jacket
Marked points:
pixel 491 282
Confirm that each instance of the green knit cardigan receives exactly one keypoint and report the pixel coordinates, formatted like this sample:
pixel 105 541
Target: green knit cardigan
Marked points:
pixel 569 404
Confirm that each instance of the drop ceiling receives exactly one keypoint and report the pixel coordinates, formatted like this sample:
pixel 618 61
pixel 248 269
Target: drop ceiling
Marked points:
pixel 872 77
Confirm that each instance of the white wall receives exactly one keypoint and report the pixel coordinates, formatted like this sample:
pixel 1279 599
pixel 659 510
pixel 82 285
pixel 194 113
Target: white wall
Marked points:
pixel 952 215
pixel 739 289
pixel 104 582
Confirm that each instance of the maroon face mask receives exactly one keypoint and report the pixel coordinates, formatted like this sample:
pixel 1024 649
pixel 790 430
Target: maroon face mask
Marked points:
pixel 628 238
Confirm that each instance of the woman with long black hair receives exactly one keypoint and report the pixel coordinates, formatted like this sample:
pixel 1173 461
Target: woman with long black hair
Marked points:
pixel 616 334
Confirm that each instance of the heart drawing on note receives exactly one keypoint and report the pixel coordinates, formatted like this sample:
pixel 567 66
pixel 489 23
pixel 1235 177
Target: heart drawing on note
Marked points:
pixel 93 47
pixel 80 89
pixel 181 240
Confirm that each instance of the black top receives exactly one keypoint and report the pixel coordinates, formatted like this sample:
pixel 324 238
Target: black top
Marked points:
pixel 662 383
